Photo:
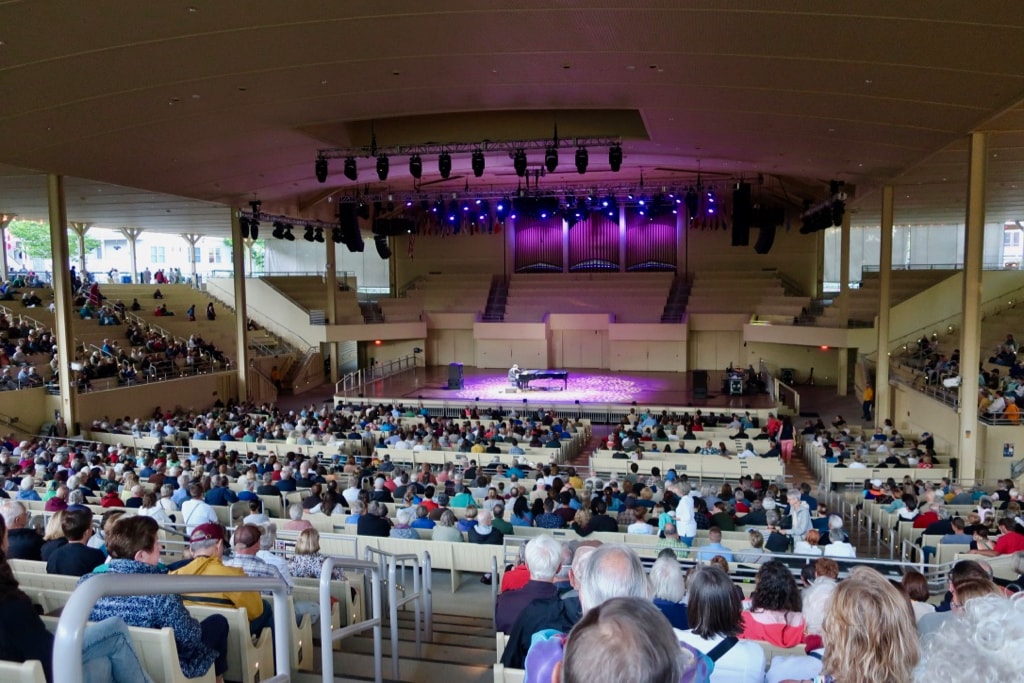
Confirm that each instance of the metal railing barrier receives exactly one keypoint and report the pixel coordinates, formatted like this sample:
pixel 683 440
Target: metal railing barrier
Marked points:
pixel 67 644
pixel 329 636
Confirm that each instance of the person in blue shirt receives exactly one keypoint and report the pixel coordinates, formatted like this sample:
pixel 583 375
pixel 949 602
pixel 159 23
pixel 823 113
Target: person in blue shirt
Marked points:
pixel 714 547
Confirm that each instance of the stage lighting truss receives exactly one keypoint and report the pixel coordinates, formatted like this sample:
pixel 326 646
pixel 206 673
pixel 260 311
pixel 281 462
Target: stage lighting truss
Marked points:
pixel 475 150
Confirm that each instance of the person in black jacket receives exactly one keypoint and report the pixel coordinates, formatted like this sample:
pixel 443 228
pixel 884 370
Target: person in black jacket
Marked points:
pixel 23 543
pixel 375 521
pixel 599 520
pixel 75 558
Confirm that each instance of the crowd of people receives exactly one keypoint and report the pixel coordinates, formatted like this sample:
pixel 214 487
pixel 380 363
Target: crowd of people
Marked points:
pixel 554 587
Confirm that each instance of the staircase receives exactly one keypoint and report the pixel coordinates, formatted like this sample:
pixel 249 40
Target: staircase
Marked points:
pixel 497 298
pixel 462 652
pixel 371 312
pixel 675 305
pixel 812 311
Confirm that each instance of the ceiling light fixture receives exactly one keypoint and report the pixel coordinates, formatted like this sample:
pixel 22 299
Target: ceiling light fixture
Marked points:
pixel 320 168
pixel 582 160
pixel 444 164
pixel 615 157
pixel 551 158
pixel 351 172
pixel 416 166
pixel 478 163
pixel 383 166
pixel 519 162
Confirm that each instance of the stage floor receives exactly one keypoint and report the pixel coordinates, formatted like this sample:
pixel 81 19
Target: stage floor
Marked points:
pixel 587 386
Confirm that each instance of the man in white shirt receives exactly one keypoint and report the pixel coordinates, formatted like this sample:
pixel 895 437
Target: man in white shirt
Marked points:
pixel 195 510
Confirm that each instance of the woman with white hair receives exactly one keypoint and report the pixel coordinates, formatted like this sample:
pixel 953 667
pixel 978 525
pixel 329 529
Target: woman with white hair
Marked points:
pixel 402 528
pixel 669 589
pixel 27 491
pixel 838 546
pixel 686 522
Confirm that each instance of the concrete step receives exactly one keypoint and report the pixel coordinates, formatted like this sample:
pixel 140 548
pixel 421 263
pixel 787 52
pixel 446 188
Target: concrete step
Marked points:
pixel 358 666
pixel 446 638
pixel 435 652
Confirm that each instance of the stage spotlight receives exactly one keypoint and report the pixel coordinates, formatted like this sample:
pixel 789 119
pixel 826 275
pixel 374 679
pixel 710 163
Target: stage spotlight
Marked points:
pixel 416 166
pixel 692 202
pixel 254 229
pixel 502 208
pixel 582 160
pixel 615 157
pixel 309 234
pixel 278 230
pixel 444 164
pixel 519 162
pixel 320 168
pixel 453 211
pixel 383 166
pixel 610 207
pixel 551 158
pixel 383 250
pixel 363 210
pixel 483 210
pixel 243 224
pixel 336 235
pixel 288 233
pixel 438 206
pixel 318 235
pixel 350 170
pixel 478 163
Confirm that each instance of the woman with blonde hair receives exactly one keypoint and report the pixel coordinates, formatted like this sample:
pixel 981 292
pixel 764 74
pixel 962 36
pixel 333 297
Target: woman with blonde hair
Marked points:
pixel 888 651
pixel 53 537
pixel 581 522
pixel 308 561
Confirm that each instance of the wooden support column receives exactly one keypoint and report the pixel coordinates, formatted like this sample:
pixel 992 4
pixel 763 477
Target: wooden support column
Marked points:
pixel 331 281
pixel 882 391
pixel 5 220
pixel 241 318
pixel 970 334
pixel 80 229
pixel 132 235
pixel 192 239
pixel 62 297
pixel 842 383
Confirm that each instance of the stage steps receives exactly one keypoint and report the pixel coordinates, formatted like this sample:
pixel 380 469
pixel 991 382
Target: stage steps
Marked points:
pixel 497 299
pixel 675 305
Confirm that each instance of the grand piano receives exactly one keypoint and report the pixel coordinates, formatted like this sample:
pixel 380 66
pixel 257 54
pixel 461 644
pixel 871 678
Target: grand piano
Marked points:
pixel 524 377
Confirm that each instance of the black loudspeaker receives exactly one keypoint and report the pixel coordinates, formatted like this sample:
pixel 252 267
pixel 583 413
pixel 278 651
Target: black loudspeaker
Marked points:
pixel 741 215
pixel 765 239
pixel 383 250
pixel 455 379
pixel 700 383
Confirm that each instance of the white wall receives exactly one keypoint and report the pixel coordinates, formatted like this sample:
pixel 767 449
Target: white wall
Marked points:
pixel 302 256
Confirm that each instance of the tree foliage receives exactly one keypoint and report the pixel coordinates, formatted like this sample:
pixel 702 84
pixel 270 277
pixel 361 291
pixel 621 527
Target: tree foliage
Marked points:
pixel 35 239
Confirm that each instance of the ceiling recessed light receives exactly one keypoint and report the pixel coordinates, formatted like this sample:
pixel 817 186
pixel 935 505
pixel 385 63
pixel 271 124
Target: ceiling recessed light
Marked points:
pixel 630 68
pixel 195 97
pixel 396 73
pixel 193 10
pixel 868 81
pixel 566 66
pixel 323 82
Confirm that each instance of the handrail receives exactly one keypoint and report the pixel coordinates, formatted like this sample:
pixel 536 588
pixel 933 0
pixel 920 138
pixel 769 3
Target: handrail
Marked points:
pixel 329 636
pixel 67 643
pixel 356 380
pixel 416 597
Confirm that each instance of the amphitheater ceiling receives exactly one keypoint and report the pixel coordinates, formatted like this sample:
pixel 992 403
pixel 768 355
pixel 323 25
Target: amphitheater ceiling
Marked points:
pixel 200 104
